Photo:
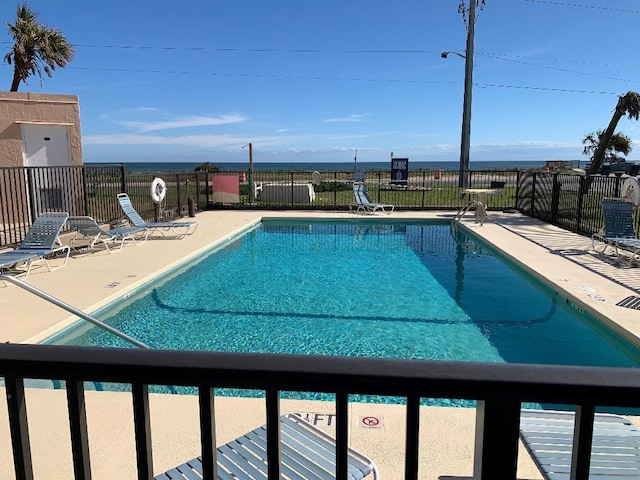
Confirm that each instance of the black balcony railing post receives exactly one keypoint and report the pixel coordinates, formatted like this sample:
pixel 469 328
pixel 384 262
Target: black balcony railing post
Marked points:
pixel 78 430
pixel 142 430
pixel 582 440
pixel 342 435
pixel 273 432
pixel 207 433
pixel 412 438
pixel 496 442
pixel 14 389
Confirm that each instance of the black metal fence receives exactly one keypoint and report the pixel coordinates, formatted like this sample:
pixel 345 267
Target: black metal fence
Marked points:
pixel 568 200
pixel 424 189
pixel 26 192
pixel 499 389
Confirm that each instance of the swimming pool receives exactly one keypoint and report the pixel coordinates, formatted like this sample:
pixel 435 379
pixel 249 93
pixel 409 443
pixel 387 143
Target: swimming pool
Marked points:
pixel 361 288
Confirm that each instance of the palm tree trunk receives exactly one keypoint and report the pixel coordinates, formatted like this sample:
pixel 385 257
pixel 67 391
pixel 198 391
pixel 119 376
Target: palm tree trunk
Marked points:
pixel 598 156
pixel 15 83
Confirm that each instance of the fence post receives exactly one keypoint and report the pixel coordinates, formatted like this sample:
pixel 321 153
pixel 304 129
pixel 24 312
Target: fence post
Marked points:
pixel 198 191
pixel 291 189
pixel 33 211
pixel 123 179
pixel 179 203
pixel 581 194
pixel 85 192
pixel 555 198
pixel 533 193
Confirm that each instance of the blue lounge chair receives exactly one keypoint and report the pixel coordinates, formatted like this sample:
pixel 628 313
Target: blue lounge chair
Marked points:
pixel 619 228
pixel 548 437
pixel 173 229
pixel 88 228
pixel 40 242
pixel 363 203
pixel 305 450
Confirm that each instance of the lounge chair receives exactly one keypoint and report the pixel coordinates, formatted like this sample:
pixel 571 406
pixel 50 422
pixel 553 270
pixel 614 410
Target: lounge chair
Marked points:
pixel 363 203
pixel 173 229
pixel 548 437
pixel 88 228
pixel 305 450
pixel 619 228
pixel 40 242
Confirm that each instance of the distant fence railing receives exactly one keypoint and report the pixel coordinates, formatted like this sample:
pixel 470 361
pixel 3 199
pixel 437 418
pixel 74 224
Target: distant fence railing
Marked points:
pixel 423 189
pixel 568 200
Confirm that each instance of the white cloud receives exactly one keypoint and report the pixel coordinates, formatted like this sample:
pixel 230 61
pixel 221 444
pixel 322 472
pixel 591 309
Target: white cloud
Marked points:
pixel 349 118
pixel 182 122
pixel 186 140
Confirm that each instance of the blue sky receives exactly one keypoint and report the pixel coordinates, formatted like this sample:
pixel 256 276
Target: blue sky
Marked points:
pixel 313 81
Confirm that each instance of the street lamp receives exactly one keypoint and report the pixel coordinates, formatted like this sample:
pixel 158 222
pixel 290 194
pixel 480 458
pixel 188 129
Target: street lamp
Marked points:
pixel 465 140
pixel 446 54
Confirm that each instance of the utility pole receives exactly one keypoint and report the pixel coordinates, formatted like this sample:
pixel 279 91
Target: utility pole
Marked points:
pixel 465 141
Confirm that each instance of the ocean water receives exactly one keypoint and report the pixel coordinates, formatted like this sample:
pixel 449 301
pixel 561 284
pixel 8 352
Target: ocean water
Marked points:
pixel 328 166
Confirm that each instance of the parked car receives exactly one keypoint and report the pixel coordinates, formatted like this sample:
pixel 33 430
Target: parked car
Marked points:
pixel 620 167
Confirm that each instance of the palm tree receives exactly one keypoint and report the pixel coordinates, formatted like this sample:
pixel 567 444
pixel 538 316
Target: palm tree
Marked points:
pixel 36 49
pixel 618 143
pixel 628 104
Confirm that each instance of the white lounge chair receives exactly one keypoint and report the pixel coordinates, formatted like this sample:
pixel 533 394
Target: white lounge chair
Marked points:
pixel 173 229
pixel 548 437
pixel 305 451
pixel 40 242
pixel 619 228
pixel 363 203
pixel 88 228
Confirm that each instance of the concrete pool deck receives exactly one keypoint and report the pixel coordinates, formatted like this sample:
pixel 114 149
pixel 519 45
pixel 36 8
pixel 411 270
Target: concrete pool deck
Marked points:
pixel 591 281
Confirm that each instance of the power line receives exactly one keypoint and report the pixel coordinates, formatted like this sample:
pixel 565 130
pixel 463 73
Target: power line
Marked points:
pixel 547 89
pixel 564 70
pixel 339 79
pixel 324 51
pixel 596 7
pixel 507 56
pixel 243 50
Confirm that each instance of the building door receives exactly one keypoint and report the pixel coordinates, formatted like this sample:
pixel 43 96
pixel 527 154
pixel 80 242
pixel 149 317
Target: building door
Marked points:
pixel 46 146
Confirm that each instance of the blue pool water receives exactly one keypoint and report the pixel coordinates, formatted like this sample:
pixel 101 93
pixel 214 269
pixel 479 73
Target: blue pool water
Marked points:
pixel 361 288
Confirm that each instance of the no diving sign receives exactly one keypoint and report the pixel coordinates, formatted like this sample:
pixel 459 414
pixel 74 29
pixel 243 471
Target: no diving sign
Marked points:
pixel 370 421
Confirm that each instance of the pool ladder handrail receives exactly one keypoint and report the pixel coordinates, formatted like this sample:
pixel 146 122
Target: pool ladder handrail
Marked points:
pixel 71 309
pixel 481 211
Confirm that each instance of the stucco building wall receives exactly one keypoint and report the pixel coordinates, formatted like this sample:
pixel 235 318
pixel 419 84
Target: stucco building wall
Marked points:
pixel 17 108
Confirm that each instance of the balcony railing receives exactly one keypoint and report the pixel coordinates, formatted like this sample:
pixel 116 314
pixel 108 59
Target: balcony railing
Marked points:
pixel 499 389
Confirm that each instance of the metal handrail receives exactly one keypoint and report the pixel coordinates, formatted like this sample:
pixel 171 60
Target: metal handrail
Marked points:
pixel 71 309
